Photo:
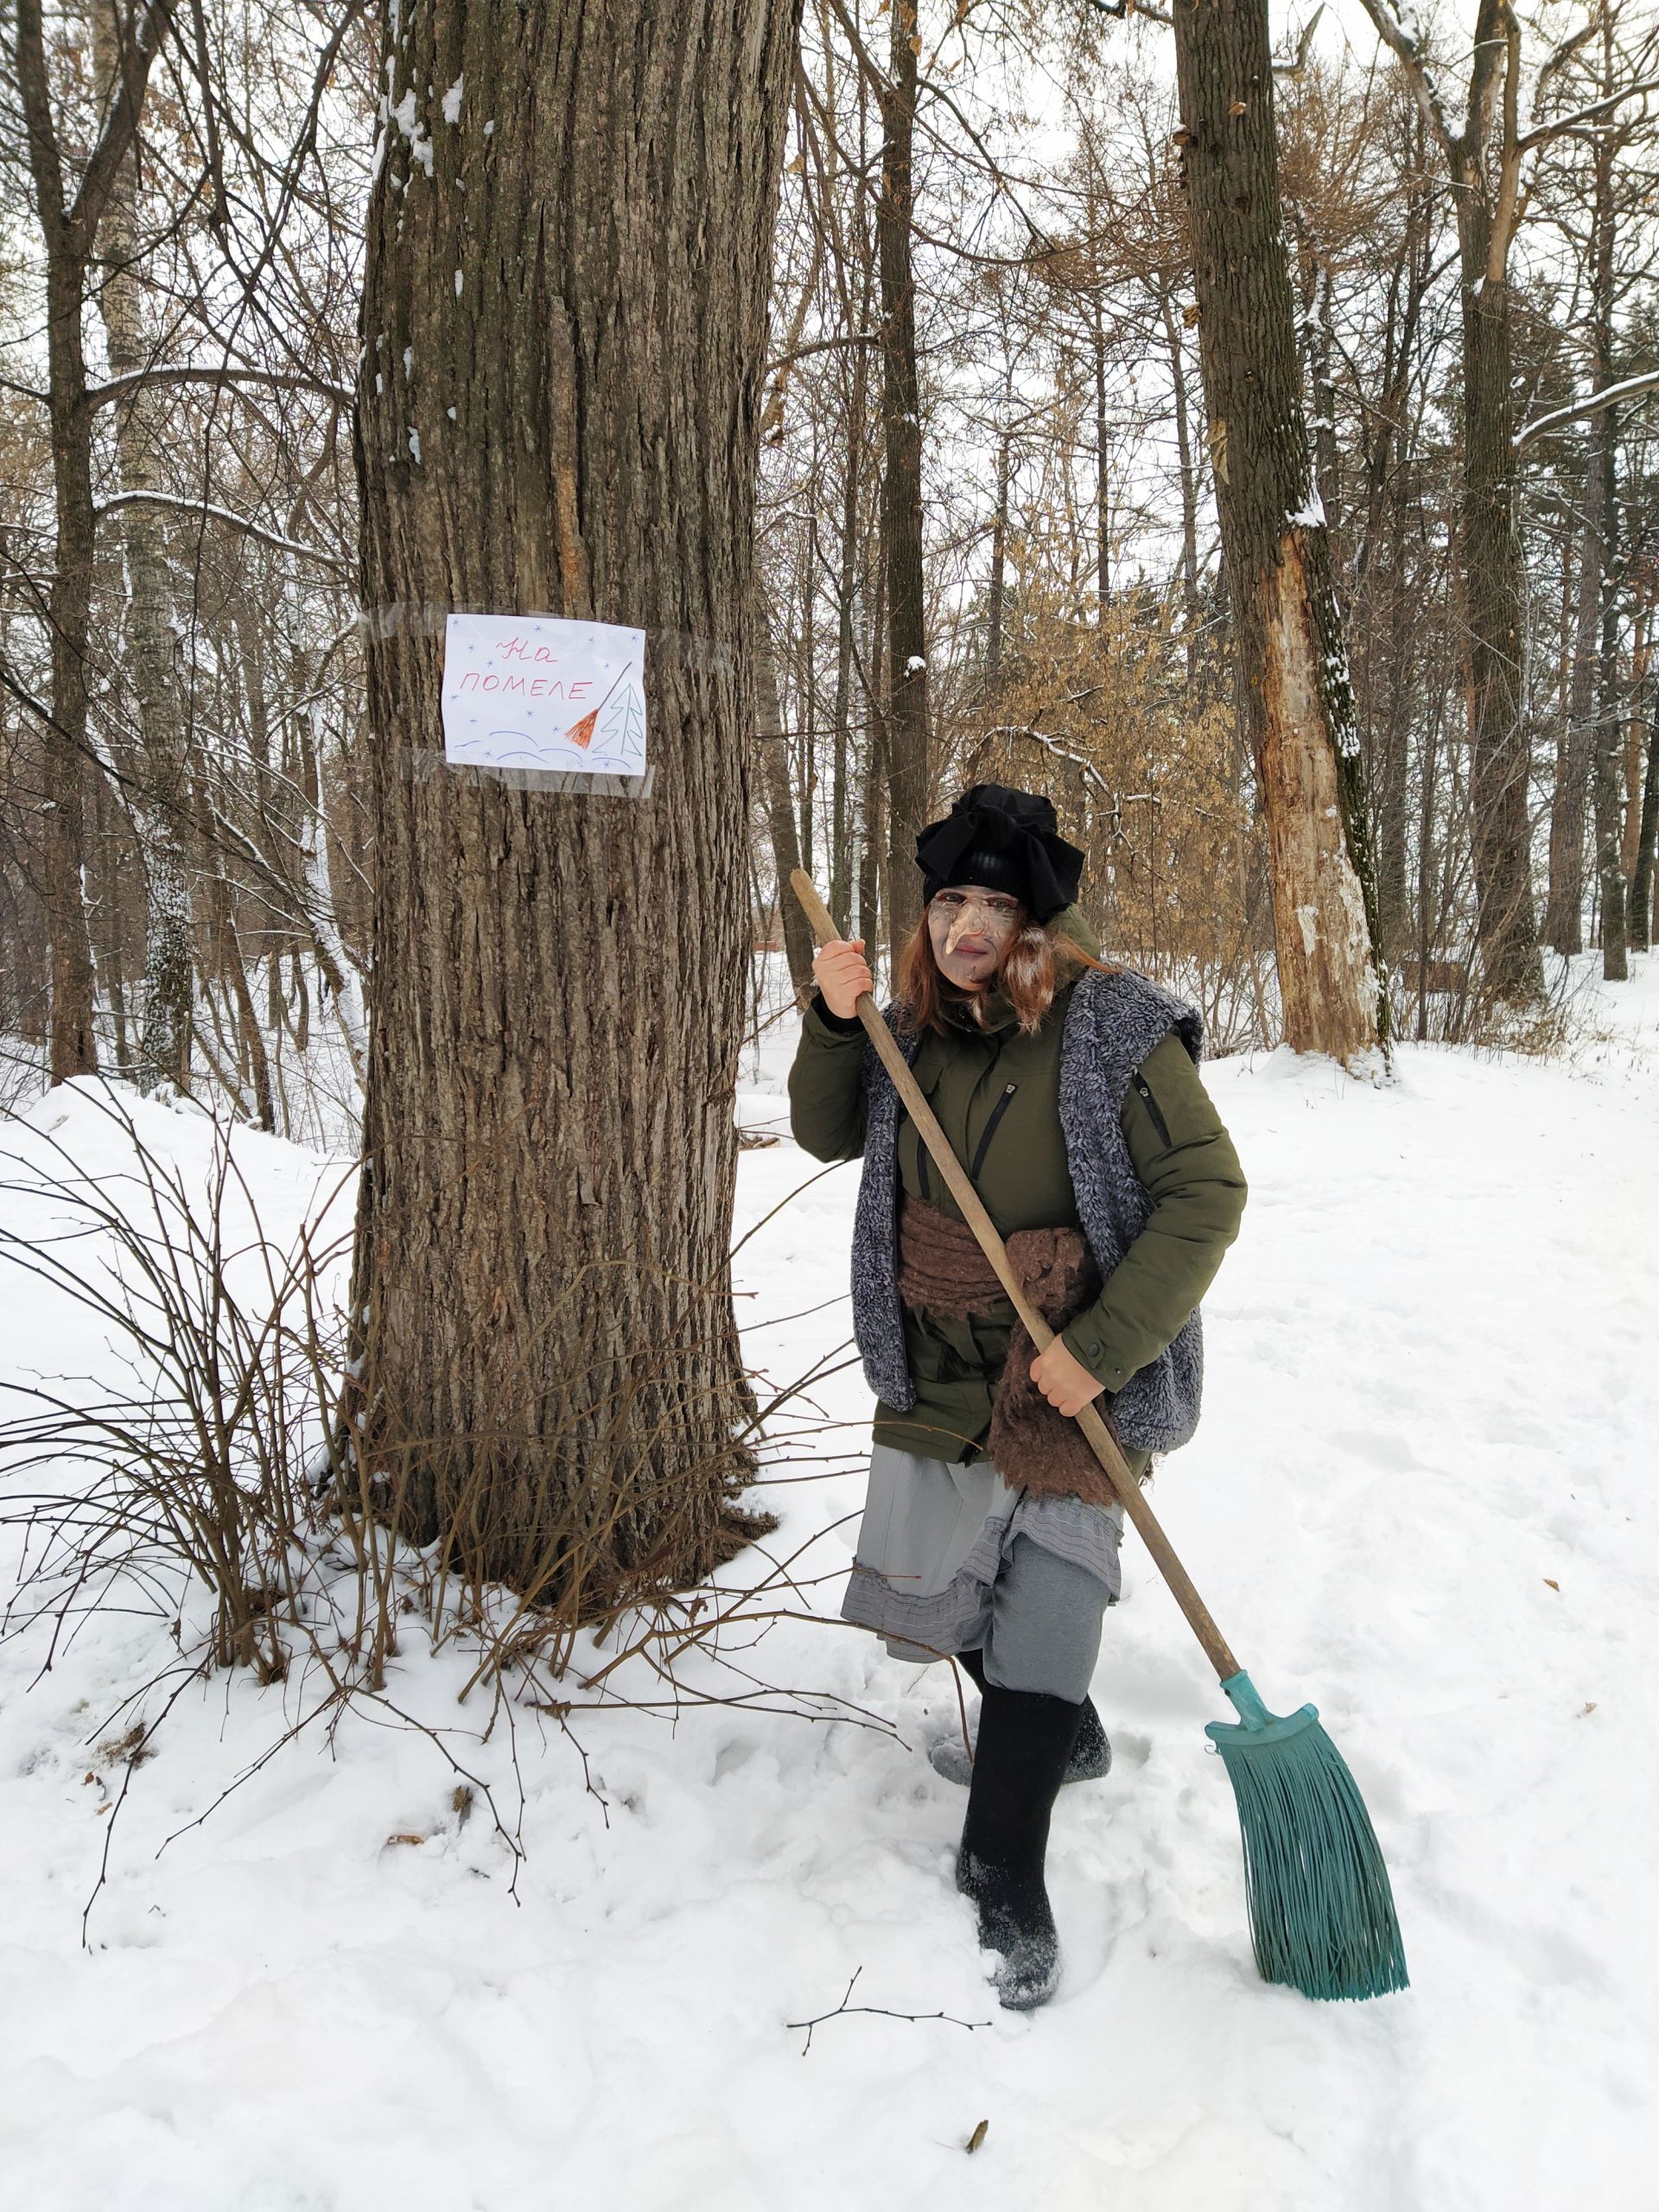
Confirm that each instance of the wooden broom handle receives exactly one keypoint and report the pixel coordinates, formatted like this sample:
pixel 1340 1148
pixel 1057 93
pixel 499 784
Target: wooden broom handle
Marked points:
pixel 1104 1444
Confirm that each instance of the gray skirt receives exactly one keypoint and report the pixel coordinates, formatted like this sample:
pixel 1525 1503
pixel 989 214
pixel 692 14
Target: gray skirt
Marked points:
pixel 936 1537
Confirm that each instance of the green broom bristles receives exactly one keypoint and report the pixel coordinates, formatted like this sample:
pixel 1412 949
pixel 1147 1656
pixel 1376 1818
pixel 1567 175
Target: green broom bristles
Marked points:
pixel 1322 1915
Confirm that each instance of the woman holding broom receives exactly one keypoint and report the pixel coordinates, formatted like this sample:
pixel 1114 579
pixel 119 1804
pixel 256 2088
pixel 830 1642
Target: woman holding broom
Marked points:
pixel 1069 1091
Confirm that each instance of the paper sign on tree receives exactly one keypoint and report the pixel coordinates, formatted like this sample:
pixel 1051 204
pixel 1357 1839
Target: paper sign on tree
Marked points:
pixel 534 692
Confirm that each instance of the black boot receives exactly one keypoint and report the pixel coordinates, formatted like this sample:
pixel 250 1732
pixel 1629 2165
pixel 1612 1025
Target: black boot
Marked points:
pixel 1091 1755
pixel 1024 1740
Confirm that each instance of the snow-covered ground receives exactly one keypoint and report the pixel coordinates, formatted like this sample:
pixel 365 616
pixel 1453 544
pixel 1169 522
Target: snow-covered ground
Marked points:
pixel 1423 1495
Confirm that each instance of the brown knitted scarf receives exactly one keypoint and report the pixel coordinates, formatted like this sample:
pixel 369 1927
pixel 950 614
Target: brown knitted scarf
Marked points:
pixel 943 1270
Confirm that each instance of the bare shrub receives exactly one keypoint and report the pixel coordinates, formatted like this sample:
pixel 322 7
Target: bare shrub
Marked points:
pixel 226 1462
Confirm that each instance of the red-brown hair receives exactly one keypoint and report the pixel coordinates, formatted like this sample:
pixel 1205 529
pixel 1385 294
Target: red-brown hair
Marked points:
pixel 1030 973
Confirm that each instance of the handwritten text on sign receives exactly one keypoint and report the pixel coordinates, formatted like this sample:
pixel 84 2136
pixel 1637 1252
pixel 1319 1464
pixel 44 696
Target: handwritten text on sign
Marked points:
pixel 534 691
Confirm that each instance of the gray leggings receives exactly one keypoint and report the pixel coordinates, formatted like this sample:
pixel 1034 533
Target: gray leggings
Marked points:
pixel 1042 1620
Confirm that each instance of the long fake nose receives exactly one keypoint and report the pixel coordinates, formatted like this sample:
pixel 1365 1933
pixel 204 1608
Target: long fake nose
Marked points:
pixel 960 930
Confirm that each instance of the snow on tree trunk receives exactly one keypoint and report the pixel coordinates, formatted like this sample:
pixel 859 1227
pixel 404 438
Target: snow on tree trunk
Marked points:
pixel 1294 688
pixel 563 329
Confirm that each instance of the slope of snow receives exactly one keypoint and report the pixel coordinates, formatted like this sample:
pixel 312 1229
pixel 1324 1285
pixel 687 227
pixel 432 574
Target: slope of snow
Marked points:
pixel 1422 1496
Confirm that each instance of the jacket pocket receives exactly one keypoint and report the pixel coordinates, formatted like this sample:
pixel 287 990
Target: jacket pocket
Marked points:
pixel 1143 1089
pixel 990 1131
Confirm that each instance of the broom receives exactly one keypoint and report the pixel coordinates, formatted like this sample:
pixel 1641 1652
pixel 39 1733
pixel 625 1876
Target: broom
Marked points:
pixel 1322 1917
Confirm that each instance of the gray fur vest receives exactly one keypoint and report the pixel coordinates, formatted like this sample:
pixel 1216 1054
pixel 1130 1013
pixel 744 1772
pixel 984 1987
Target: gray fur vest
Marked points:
pixel 1112 1022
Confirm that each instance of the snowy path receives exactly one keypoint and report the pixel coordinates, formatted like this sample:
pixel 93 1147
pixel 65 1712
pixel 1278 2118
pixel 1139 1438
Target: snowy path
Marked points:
pixel 1423 1495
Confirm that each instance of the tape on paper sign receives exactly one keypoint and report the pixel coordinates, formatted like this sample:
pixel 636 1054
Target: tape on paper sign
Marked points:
pixel 535 695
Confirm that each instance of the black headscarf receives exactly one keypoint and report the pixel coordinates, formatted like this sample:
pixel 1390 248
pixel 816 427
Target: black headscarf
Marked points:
pixel 1007 840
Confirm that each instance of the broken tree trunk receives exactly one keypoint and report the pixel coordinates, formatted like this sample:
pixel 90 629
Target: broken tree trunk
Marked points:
pixel 1294 688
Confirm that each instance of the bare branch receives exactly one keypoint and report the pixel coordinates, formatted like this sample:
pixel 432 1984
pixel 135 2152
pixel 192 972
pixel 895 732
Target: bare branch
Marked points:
pixel 206 508
pixel 100 395
pixel 1612 395
pixel 1408 52
pixel 1541 133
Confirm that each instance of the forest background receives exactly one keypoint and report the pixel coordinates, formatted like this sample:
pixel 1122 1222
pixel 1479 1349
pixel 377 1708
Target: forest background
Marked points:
pixel 185 833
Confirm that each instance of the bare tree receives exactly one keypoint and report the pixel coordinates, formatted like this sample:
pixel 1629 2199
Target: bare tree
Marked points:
pixel 906 713
pixel 1486 160
pixel 1295 687
pixel 68 214
pixel 563 336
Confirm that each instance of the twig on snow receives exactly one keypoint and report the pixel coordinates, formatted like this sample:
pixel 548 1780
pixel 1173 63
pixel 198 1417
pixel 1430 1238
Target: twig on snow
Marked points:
pixel 886 2012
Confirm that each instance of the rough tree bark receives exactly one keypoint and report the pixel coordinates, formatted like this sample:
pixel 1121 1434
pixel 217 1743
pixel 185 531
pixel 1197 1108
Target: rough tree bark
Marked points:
pixel 901 487
pixel 1641 875
pixel 68 216
pixel 780 806
pixel 842 797
pixel 1386 649
pixel 1492 580
pixel 1635 744
pixel 1294 687
pixel 563 331
pixel 1607 778
pixel 1564 907
pixel 161 808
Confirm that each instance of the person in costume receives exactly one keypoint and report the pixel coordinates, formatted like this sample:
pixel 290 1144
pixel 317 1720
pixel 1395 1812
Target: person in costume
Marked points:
pixel 1068 1090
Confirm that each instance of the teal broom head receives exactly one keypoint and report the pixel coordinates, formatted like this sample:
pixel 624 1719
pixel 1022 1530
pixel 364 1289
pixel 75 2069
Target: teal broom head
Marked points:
pixel 1322 1915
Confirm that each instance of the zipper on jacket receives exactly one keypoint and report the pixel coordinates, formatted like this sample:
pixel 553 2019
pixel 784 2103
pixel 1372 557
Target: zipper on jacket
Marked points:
pixel 997 1112
pixel 1151 1105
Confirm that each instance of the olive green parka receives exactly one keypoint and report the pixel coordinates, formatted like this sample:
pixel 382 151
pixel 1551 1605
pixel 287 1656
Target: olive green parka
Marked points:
pixel 995 1094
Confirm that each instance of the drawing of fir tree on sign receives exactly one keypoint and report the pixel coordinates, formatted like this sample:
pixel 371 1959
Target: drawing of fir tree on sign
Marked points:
pixel 532 692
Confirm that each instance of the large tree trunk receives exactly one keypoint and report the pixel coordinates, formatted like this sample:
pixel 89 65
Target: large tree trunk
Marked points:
pixel 843 799
pixel 1604 432
pixel 1641 875
pixel 71 1050
pixel 1564 909
pixel 901 489
pixel 161 809
pixel 1297 702
pixel 1635 748
pixel 563 329
pixel 68 218
pixel 1499 776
